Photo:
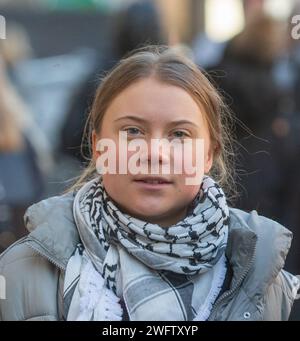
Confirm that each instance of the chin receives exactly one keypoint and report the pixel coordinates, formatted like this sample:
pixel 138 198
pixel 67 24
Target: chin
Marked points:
pixel 148 212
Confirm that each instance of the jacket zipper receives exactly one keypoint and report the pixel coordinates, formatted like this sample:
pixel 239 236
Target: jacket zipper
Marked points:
pixel 40 249
pixel 127 308
pixel 238 283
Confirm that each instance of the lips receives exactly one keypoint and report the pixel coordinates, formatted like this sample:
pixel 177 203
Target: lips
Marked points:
pixel 153 180
pixel 150 183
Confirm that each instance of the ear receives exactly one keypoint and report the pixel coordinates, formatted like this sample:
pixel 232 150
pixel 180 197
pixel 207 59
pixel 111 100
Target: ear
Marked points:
pixel 95 140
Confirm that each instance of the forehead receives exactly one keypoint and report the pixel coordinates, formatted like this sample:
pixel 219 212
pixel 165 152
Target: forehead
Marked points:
pixel 155 101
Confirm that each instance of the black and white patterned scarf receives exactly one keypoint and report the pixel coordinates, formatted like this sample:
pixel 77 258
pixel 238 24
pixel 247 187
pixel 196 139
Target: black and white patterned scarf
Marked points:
pixel 179 269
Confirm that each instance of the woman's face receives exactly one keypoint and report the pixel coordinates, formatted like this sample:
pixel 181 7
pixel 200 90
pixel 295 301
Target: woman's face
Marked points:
pixel 149 109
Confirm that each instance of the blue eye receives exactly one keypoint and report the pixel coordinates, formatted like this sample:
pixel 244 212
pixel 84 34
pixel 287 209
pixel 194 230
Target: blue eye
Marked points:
pixel 180 134
pixel 133 131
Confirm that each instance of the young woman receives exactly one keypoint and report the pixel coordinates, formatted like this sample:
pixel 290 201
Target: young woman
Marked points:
pixel 129 245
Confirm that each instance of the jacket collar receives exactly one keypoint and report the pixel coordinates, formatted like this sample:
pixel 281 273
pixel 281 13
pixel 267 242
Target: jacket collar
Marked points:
pixel 268 240
pixel 53 230
pixel 240 248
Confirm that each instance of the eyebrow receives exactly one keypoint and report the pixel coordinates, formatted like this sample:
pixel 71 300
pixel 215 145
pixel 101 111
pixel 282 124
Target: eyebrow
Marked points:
pixel 134 118
pixel 141 120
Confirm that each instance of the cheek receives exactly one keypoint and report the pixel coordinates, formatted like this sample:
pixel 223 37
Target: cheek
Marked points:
pixel 109 183
pixel 186 193
pixel 116 187
pixel 199 155
pixel 194 159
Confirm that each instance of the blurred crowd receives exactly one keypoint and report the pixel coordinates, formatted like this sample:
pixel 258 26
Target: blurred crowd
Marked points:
pixel 44 104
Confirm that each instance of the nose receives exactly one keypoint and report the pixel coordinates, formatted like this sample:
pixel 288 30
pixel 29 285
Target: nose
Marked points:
pixel 157 153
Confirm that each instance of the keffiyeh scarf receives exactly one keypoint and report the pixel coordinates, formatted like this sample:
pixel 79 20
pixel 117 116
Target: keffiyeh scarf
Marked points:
pixel 173 273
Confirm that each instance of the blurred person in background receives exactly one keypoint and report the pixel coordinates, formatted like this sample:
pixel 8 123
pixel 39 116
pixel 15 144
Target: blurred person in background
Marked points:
pixel 208 53
pixel 268 122
pixel 287 127
pixel 24 150
pixel 13 50
pixel 21 180
pixel 136 25
pixel 245 77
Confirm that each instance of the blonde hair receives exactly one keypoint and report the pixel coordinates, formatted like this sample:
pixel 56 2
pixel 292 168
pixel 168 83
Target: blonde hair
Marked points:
pixel 11 138
pixel 171 67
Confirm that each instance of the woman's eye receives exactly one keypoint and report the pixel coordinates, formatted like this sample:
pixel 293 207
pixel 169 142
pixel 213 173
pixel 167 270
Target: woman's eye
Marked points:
pixel 180 134
pixel 133 131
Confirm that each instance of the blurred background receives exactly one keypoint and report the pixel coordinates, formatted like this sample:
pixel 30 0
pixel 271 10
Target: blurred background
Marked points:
pixel 55 52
